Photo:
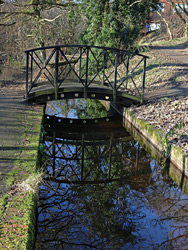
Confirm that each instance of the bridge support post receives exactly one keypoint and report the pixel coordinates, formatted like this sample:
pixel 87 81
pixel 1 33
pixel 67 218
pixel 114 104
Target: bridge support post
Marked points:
pixel 56 73
pixel 115 78
pixel 127 70
pixel 27 75
pixel 104 65
pixel 86 79
pixel 143 80
pixel 80 65
pixel 31 68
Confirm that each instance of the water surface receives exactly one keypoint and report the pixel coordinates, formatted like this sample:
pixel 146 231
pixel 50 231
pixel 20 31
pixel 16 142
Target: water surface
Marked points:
pixel 102 190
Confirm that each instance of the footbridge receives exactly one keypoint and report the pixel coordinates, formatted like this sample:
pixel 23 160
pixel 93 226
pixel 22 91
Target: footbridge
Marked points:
pixel 82 71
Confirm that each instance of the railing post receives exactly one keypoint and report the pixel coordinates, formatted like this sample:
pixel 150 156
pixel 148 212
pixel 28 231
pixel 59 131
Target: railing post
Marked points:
pixel 115 78
pixel 27 74
pixel 80 66
pixel 31 77
pixel 104 65
pixel 127 70
pixel 86 79
pixel 143 80
pixel 56 73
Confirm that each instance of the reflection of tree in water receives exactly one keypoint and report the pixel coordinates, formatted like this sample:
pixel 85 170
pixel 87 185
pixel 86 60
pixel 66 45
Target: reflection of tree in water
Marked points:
pixel 85 216
pixel 80 108
pixel 171 206
pixel 112 215
pixel 91 109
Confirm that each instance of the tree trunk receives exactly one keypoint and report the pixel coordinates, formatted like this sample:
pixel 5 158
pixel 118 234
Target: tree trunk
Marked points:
pixel 186 29
pixel 167 26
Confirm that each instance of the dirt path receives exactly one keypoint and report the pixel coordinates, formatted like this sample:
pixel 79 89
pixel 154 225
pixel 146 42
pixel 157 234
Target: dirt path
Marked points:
pixel 177 58
pixel 10 133
pixel 12 109
pixel 178 53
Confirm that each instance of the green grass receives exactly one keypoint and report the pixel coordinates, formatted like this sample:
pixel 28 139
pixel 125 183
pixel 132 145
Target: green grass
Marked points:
pixel 154 39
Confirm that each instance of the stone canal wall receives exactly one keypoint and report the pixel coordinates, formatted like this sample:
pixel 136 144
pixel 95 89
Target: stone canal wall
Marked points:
pixel 155 137
pixel 152 140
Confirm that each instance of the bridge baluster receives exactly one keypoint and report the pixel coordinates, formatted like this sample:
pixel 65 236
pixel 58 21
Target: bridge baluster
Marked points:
pixel 143 80
pixel 31 77
pixel 115 77
pixel 27 74
pixel 86 78
pixel 56 73
pixel 104 65
pixel 80 65
pixel 127 70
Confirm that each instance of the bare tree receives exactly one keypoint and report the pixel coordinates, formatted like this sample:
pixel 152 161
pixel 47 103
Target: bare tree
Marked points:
pixel 28 24
pixel 181 9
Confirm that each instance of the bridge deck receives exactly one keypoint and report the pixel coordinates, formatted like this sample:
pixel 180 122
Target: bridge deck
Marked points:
pixel 71 88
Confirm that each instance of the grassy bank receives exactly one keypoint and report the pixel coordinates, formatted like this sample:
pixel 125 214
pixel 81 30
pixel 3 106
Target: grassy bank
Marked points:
pixel 18 206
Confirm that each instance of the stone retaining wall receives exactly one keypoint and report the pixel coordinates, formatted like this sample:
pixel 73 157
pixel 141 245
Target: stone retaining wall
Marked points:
pixel 155 137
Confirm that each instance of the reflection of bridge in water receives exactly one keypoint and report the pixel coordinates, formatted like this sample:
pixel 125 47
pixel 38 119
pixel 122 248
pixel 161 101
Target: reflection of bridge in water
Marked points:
pixel 81 71
pixel 88 151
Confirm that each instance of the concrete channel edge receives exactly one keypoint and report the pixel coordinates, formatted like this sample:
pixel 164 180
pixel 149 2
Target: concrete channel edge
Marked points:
pixel 155 137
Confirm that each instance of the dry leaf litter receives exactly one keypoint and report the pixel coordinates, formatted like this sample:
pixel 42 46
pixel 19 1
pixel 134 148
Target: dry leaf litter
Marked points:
pixel 165 114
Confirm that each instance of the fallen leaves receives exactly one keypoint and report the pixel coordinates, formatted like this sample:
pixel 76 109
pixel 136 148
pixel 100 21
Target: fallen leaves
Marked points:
pixel 165 114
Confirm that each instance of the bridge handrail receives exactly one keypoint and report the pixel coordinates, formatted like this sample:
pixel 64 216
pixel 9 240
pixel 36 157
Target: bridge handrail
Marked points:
pixel 86 46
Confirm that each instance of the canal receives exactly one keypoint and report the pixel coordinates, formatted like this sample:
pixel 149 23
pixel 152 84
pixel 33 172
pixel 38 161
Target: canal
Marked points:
pixel 101 189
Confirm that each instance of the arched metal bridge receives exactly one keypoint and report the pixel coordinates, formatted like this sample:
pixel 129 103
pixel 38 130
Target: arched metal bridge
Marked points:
pixel 81 71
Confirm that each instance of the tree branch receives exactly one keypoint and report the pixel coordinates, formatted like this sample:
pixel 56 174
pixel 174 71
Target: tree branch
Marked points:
pixel 50 20
pixel 176 10
pixel 4 24
pixel 139 1
pixel 167 26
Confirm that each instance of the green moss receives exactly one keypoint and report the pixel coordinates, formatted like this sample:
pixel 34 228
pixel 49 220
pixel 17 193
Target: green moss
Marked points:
pixel 177 150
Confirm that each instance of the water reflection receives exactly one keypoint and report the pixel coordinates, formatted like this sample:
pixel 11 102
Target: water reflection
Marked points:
pixel 103 191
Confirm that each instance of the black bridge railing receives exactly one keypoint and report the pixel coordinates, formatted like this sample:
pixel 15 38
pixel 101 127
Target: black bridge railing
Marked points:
pixel 57 67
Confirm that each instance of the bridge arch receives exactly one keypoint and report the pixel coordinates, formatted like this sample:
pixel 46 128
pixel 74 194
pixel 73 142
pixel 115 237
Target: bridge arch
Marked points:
pixel 82 71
